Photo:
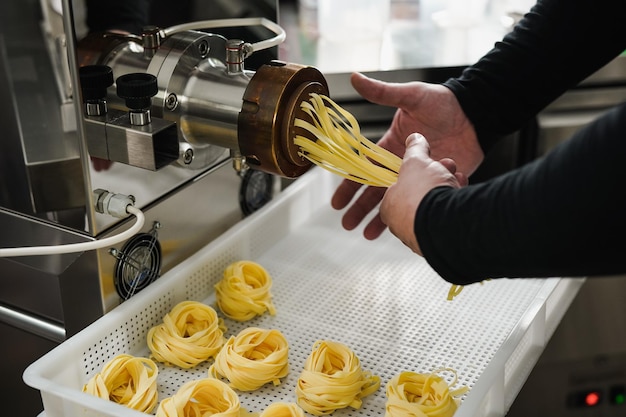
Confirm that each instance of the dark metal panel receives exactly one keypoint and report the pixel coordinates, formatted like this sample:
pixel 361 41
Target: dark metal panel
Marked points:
pixel 18 399
pixel 39 154
pixel 11 165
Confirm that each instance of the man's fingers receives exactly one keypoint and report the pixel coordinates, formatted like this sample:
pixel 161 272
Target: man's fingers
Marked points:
pixel 416 145
pixel 380 92
pixel 461 178
pixel 364 204
pixel 449 164
pixel 374 228
pixel 344 194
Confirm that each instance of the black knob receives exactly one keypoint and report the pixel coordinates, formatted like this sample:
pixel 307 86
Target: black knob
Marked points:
pixel 137 89
pixel 94 81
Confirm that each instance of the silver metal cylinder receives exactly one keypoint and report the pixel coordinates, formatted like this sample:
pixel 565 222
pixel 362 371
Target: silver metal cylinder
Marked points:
pixel 96 108
pixel 139 117
pixel 234 56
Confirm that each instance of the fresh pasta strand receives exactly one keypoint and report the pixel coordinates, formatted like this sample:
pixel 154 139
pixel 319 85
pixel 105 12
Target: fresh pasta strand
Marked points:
pixel 253 358
pixel 204 397
pixel 282 410
pixel 244 291
pixel 127 380
pixel 411 394
pixel 456 290
pixel 332 378
pixel 190 334
pixel 341 148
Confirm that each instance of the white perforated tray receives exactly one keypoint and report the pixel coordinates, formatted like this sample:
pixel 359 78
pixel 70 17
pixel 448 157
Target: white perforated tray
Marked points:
pixel 377 297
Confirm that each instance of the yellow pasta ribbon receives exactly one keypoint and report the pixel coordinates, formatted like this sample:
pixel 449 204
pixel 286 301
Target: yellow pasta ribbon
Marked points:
pixel 202 398
pixel 127 380
pixel 410 394
pixel 341 148
pixel 253 358
pixel 282 410
pixel 332 378
pixel 244 291
pixel 454 291
pixel 190 334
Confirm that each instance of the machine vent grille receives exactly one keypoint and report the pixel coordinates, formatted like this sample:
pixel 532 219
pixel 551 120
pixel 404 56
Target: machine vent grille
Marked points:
pixel 138 264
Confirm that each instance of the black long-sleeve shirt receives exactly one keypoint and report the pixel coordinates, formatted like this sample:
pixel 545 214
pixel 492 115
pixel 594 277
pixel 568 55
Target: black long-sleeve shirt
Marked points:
pixel 563 214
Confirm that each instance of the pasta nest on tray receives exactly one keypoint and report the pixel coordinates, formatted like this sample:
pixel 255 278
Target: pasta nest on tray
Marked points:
pixel 203 397
pixel 244 291
pixel 127 380
pixel 253 358
pixel 332 378
pixel 282 410
pixel 190 334
pixel 410 394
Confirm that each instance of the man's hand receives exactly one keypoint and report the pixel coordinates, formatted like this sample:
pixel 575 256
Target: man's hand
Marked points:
pixel 419 174
pixel 433 111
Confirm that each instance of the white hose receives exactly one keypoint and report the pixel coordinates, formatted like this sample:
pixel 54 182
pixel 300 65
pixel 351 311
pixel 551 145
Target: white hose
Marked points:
pixel 226 23
pixel 82 246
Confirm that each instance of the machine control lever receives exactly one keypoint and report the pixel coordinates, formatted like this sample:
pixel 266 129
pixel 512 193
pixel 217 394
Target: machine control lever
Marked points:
pixel 94 82
pixel 137 89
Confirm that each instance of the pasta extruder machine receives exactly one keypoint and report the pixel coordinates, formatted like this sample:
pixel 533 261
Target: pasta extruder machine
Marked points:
pixel 171 119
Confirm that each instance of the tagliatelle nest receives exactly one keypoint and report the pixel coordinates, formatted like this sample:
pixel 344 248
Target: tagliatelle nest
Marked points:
pixel 244 291
pixel 332 378
pixel 410 394
pixel 190 334
pixel 127 380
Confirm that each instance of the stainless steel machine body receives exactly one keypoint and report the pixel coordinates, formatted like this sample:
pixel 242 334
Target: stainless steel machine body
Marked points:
pixel 185 163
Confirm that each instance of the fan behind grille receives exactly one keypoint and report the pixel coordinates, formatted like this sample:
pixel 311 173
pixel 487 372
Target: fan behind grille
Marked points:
pixel 138 264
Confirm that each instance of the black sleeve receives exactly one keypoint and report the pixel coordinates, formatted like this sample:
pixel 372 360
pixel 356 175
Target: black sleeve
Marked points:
pixel 561 215
pixel 555 46
pixel 128 15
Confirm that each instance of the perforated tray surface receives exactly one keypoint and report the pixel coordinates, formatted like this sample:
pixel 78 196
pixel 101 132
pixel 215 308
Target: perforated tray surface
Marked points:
pixel 377 297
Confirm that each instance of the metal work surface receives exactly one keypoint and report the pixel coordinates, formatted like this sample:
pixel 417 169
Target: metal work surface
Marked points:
pixel 377 297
